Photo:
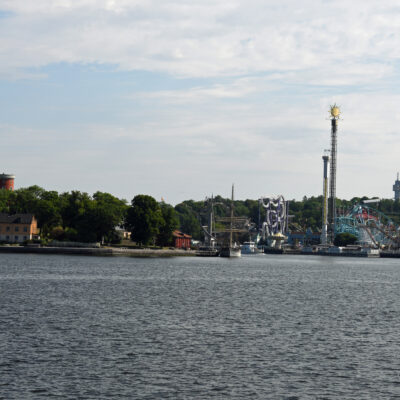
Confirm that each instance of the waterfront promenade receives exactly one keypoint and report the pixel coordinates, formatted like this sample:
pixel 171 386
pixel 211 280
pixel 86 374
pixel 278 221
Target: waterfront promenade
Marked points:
pixel 103 251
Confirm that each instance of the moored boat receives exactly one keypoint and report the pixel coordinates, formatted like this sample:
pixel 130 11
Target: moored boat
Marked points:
pixel 230 251
pixel 207 251
pixel 248 248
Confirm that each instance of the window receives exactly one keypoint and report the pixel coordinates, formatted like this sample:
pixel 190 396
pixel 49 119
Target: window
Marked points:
pixel 25 238
pixel 16 238
pixel 7 237
pixel 17 229
pixel 8 229
pixel 25 229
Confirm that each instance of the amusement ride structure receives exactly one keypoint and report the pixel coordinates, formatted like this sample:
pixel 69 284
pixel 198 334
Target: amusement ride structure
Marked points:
pixel 335 115
pixel 275 225
pixel 371 227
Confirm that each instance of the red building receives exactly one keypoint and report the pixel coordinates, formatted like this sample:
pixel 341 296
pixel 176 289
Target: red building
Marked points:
pixel 7 181
pixel 181 240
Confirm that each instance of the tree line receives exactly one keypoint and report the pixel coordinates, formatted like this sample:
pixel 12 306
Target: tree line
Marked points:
pixel 78 216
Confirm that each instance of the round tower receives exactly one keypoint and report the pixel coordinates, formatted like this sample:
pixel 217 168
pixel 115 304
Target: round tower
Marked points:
pixel 7 181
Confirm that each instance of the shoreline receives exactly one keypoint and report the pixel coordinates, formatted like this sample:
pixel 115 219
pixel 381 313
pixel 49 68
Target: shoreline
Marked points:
pixel 103 252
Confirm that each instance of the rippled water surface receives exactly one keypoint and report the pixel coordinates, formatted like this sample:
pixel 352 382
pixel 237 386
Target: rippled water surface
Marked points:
pixel 259 327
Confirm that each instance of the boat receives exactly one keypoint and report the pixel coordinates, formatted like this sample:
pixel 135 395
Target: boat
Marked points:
pixel 231 249
pixel 249 248
pixel 346 251
pixel 272 250
pixel 210 248
pixel 207 251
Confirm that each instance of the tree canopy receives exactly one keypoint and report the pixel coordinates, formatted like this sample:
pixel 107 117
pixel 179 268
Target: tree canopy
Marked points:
pixel 144 219
pixel 78 216
pixel 344 239
pixel 68 216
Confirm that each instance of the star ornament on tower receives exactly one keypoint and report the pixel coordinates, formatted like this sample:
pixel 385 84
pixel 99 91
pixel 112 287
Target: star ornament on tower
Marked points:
pixel 335 111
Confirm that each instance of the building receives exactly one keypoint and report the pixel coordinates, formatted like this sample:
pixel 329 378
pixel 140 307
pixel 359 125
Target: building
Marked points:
pixel 7 181
pixel 181 240
pixel 304 238
pixel 18 228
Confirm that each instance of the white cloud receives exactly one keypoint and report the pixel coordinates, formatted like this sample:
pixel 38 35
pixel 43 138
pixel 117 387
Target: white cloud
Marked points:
pixel 261 120
pixel 204 38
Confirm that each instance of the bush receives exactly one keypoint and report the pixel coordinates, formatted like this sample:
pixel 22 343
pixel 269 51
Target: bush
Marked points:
pixel 344 239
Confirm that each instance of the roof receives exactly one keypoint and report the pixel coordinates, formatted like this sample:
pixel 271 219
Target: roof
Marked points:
pixel 16 218
pixel 181 235
pixel 7 176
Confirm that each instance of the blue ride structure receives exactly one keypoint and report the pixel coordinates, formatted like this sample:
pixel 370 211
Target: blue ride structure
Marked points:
pixel 370 226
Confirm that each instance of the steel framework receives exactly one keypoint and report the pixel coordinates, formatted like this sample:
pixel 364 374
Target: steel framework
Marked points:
pixel 370 226
pixel 276 218
pixel 332 179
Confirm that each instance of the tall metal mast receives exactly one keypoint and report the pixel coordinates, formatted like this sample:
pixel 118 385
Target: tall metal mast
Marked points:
pixel 210 222
pixel 335 114
pixel 231 227
pixel 324 232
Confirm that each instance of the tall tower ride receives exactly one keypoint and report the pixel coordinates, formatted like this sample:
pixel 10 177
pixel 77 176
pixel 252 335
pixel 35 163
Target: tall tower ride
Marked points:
pixel 324 232
pixel 396 188
pixel 335 114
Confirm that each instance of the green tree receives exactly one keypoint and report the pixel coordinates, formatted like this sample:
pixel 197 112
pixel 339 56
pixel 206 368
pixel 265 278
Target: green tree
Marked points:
pixel 144 219
pixel 169 224
pixel 189 219
pixel 107 213
pixel 344 239
pixel 73 207
pixel 7 198
pixel 43 204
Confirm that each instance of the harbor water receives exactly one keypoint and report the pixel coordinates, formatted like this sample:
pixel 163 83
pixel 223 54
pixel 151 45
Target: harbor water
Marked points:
pixel 256 327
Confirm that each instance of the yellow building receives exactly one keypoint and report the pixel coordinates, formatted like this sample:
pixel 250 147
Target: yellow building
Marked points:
pixel 18 228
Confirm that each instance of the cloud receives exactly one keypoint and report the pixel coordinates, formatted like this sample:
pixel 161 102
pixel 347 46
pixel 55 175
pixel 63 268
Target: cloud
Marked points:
pixel 332 41
pixel 258 79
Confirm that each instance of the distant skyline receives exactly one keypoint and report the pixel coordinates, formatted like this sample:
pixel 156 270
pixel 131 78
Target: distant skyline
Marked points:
pixel 181 99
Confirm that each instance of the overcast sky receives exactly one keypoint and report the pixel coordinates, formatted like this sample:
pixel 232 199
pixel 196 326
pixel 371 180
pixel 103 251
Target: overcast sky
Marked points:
pixel 179 99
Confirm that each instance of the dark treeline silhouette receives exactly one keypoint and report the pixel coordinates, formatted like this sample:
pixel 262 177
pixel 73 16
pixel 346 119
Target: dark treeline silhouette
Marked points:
pixel 78 216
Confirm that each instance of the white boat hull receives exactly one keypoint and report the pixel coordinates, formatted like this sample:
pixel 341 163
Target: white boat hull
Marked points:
pixel 230 252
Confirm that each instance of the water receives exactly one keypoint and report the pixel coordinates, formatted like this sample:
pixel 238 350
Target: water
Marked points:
pixel 260 327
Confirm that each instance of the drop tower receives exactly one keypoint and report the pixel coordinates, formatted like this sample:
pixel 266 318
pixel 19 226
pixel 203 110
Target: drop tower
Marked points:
pixel 324 231
pixel 335 114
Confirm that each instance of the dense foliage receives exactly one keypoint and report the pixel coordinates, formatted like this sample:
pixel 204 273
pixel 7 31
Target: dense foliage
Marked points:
pixel 150 222
pixel 306 213
pixel 344 239
pixel 78 216
pixel 74 216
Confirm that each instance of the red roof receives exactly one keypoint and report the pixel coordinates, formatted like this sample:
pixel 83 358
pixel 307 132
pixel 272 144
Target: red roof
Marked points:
pixel 179 234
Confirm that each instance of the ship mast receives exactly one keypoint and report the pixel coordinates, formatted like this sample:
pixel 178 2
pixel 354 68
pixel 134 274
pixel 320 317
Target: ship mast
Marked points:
pixel 231 225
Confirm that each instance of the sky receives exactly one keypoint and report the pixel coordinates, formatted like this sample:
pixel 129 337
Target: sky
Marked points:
pixel 180 99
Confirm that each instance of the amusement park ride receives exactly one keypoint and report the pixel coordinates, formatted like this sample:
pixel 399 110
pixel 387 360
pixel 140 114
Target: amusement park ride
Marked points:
pixel 372 228
pixel 276 220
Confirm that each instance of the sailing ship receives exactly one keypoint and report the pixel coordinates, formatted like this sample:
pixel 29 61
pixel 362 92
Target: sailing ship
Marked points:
pixel 231 249
pixel 209 249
